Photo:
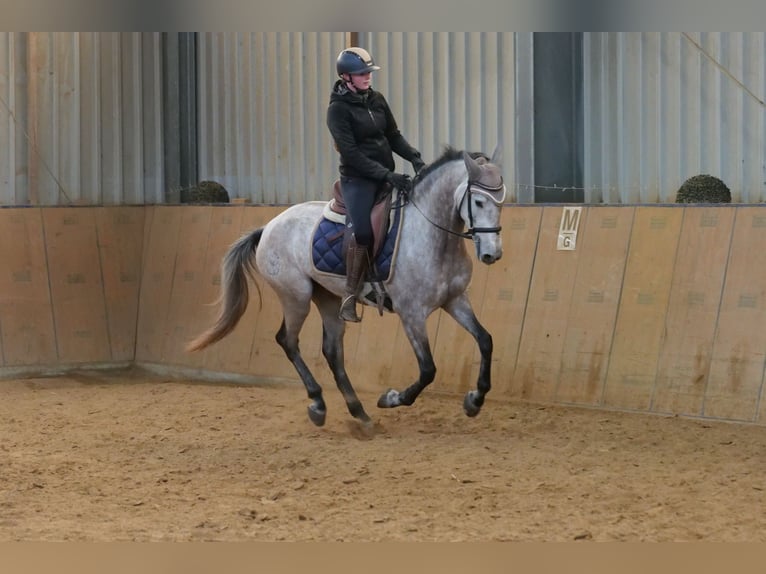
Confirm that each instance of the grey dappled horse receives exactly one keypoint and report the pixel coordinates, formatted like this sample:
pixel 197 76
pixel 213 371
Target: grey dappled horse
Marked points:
pixel 432 271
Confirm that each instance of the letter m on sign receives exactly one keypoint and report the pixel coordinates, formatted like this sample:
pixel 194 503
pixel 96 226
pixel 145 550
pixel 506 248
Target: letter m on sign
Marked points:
pixel 570 224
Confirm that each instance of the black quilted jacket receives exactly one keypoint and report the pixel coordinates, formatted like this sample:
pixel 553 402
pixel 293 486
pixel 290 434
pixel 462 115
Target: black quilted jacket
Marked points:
pixel 365 133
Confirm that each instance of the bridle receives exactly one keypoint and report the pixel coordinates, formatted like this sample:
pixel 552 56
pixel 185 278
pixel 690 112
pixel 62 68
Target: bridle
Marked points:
pixel 471 187
pixel 486 191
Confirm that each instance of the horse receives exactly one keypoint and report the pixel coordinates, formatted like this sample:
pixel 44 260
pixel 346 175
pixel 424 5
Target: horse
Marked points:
pixel 459 196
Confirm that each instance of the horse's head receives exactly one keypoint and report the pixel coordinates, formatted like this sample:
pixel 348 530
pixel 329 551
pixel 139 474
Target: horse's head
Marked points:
pixel 480 200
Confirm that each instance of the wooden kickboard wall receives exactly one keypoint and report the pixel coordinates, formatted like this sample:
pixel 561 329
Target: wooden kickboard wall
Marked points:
pixel 657 309
pixel 70 285
pixel 27 329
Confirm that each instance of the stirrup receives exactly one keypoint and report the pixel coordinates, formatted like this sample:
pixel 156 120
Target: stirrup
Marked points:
pixel 348 310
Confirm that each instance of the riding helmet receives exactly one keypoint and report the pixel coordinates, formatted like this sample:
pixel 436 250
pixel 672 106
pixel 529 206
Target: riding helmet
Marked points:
pixel 355 61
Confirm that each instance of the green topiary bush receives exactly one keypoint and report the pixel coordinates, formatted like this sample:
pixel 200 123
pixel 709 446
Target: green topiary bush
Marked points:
pixel 703 189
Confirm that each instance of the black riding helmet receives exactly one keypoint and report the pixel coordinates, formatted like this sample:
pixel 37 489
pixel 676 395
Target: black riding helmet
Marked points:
pixel 355 61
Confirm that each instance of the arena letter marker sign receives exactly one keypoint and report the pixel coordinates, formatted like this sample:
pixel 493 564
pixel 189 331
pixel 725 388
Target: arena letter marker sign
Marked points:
pixel 570 223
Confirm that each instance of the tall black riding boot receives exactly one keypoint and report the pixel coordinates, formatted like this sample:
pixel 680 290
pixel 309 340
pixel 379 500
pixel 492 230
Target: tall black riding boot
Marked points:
pixel 357 262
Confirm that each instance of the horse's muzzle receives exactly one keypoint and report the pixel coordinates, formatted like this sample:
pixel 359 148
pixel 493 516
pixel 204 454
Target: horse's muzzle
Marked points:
pixel 489 259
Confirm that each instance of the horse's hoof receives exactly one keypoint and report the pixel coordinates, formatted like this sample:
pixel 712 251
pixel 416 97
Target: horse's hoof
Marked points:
pixel 472 403
pixel 316 415
pixel 389 399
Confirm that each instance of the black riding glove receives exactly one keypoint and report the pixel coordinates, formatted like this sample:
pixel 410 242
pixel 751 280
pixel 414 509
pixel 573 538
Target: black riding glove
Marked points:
pixel 399 181
pixel 418 164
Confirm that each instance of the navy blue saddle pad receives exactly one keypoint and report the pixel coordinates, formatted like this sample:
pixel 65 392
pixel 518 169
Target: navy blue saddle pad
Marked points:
pixel 327 247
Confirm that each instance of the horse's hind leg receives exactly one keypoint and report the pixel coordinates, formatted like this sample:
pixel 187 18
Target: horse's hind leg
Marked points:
pixel 460 309
pixel 333 329
pixel 294 316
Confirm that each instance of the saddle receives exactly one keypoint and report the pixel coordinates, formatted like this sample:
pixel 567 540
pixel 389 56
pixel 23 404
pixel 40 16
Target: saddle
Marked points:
pixel 379 216
pixel 332 237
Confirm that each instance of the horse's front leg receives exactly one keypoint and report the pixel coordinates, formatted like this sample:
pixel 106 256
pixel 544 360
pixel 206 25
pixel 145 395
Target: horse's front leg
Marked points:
pixel 460 309
pixel 418 337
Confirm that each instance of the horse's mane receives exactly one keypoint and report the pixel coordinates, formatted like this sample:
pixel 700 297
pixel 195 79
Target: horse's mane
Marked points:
pixel 448 154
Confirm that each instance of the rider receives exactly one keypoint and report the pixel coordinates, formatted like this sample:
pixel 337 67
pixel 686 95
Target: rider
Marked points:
pixel 365 134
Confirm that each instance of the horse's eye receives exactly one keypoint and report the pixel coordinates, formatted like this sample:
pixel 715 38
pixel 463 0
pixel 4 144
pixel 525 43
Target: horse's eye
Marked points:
pixel 479 202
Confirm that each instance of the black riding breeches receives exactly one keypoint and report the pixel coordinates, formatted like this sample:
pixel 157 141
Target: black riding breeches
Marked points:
pixel 359 196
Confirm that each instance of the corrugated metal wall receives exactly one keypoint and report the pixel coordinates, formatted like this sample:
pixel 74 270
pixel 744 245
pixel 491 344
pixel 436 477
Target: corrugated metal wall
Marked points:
pixel 80 118
pixel 456 88
pixel 262 103
pixel 263 99
pixel 81 114
pixel 658 110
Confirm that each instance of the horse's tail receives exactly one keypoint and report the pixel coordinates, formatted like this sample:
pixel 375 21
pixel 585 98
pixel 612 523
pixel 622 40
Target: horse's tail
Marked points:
pixel 234 296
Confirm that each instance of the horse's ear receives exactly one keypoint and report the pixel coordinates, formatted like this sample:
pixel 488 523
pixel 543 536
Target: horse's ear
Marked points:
pixel 474 171
pixel 497 155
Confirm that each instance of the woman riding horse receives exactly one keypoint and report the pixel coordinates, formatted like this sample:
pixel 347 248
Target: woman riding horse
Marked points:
pixel 365 134
pixel 433 271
